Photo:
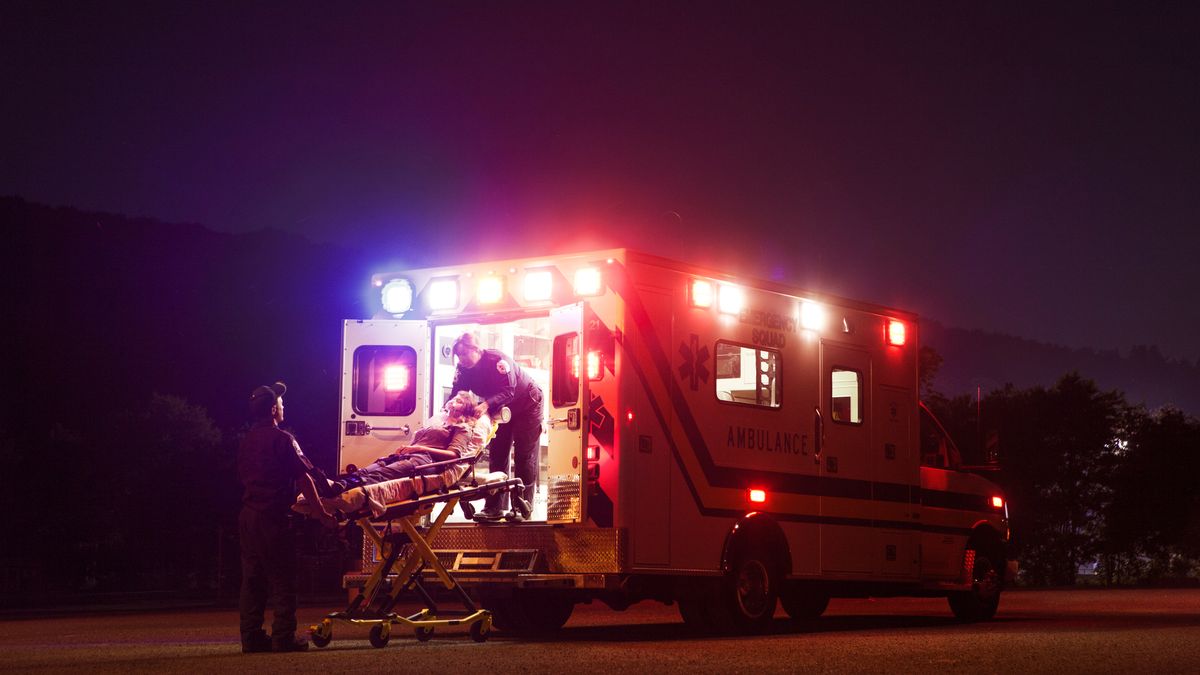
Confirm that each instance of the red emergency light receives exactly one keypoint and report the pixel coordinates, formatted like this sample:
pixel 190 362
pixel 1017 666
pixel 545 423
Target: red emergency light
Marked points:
pixel 593 453
pixel 998 501
pixel 758 496
pixel 702 293
pixel 895 333
pixel 594 369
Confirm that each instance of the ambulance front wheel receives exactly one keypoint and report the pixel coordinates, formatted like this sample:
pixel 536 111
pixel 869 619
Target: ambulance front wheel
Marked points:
pixel 979 603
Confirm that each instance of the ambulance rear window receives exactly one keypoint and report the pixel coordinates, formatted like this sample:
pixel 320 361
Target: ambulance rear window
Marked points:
pixel 846 396
pixel 564 383
pixel 385 380
pixel 748 375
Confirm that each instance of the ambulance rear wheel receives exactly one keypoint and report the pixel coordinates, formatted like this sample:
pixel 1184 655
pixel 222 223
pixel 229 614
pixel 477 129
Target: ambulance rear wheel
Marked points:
pixel 979 603
pixel 378 637
pixel 803 604
pixel 749 593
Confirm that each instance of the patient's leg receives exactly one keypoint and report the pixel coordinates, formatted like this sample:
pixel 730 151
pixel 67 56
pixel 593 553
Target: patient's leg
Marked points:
pixel 407 465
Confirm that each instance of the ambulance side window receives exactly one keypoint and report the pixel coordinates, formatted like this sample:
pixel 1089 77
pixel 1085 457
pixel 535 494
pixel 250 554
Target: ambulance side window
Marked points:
pixel 564 382
pixel 385 380
pixel 845 390
pixel 748 375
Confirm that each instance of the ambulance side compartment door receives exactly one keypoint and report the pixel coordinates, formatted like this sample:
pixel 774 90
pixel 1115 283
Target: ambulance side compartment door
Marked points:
pixel 385 373
pixel 566 487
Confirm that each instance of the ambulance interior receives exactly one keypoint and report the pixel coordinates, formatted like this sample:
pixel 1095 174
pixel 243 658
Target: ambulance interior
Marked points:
pixel 528 341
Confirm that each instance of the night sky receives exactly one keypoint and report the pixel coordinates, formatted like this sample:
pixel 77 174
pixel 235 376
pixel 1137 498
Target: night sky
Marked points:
pixel 1014 167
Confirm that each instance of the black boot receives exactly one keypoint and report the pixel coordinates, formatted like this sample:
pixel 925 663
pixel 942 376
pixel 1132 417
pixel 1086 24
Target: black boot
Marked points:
pixel 288 643
pixel 253 643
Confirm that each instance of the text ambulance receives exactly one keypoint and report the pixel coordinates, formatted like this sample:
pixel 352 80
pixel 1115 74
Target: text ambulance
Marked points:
pixel 709 440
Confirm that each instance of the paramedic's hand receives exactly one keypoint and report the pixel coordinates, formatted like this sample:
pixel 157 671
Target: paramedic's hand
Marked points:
pixel 481 409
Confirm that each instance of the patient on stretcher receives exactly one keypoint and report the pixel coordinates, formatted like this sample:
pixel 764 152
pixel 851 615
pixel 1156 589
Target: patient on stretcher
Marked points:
pixel 459 430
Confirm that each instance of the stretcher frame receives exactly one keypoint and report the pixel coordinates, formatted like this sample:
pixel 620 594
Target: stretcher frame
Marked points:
pixel 407 551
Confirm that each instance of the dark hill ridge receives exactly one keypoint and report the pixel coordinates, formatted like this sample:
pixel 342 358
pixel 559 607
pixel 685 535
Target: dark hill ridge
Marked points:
pixel 974 358
pixel 109 308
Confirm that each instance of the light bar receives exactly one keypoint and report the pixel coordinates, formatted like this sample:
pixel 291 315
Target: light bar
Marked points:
pixel 395 378
pixel 812 315
pixel 397 296
pixel 443 294
pixel 702 293
pixel 758 496
pixel 539 285
pixel 489 290
pixel 895 333
pixel 730 299
pixel 588 281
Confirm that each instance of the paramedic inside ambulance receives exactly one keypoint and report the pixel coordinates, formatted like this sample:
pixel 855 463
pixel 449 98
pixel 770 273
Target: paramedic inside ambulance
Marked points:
pixel 496 378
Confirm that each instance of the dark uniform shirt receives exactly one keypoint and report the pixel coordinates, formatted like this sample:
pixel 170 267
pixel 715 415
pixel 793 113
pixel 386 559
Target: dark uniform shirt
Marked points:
pixel 498 380
pixel 269 463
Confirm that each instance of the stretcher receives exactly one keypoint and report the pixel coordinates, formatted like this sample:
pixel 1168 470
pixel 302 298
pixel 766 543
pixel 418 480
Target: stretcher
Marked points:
pixel 405 554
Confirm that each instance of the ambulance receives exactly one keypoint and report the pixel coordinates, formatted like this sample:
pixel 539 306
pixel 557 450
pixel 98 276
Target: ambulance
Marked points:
pixel 710 440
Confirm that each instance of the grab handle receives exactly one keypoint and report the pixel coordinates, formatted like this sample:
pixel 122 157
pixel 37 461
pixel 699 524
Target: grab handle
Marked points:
pixel 818 435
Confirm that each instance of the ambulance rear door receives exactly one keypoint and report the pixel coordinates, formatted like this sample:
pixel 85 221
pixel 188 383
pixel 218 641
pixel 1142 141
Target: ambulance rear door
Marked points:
pixel 385 374
pixel 566 493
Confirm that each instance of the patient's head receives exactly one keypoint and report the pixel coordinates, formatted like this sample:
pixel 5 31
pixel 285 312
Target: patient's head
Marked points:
pixel 461 408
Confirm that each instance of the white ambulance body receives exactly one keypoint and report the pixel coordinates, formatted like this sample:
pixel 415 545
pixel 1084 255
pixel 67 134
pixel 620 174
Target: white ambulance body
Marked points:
pixel 710 440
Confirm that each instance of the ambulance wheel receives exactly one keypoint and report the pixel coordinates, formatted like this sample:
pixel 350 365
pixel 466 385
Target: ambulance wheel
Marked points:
pixel 979 603
pixel 378 637
pixel 748 594
pixel 803 604
pixel 479 632
pixel 423 634
pixel 320 638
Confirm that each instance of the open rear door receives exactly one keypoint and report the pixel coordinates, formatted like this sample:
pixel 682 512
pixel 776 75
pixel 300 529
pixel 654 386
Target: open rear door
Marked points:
pixel 566 494
pixel 385 394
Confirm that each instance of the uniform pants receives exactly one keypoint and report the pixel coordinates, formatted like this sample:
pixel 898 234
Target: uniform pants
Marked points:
pixel 518 439
pixel 268 569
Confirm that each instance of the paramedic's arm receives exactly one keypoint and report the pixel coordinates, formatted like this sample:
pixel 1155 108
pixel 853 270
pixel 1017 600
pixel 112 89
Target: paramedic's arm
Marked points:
pixel 504 383
pixel 309 490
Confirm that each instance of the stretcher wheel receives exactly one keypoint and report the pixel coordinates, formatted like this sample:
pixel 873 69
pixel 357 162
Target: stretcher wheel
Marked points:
pixel 378 637
pixel 423 634
pixel 479 632
pixel 320 638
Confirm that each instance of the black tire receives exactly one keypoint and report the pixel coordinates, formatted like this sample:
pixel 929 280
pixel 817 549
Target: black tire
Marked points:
pixel 801 603
pixel 479 632
pixel 532 614
pixel 377 637
pixel 319 639
pixel 747 596
pixel 423 634
pixel 980 603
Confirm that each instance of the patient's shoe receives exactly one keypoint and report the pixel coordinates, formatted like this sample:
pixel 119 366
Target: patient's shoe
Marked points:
pixel 289 642
pixel 489 515
pixel 253 643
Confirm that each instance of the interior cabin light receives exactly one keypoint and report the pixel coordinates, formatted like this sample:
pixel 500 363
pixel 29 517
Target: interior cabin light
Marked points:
pixel 730 299
pixel 702 293
pixel 443 294
pixel 397 296
pixel 812 315
pixel 895 333
pixel 539 285
pixel 489 290
pixel 395 378
pixel 588 281
pixel 758 496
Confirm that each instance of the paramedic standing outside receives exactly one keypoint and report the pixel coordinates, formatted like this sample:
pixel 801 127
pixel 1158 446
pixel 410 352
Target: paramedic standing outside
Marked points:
pixel 495 377
pixel 270 463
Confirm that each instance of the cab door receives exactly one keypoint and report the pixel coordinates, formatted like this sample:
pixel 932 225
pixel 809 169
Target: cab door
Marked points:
pixel 385 374
pixel 566 484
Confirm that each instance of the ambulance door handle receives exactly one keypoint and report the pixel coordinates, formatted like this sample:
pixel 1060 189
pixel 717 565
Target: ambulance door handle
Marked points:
pixel 403 429
pixel 818 435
